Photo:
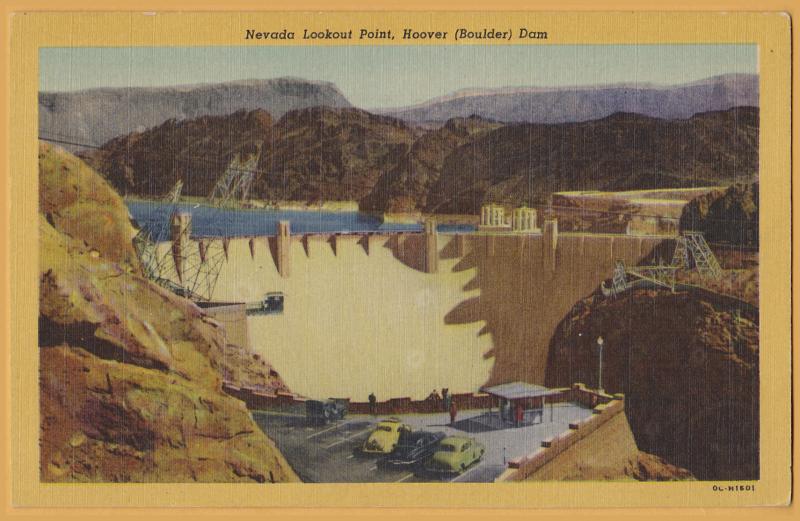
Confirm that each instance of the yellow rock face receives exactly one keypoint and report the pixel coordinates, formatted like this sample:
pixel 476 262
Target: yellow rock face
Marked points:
pixel 129 373
pixel 78 202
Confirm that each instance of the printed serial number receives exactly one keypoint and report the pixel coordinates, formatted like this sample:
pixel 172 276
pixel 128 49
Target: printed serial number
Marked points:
pixel 734 488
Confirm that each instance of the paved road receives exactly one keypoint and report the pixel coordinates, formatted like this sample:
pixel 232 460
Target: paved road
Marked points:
pixel 502 442
pixel 328 454
pixel 331 453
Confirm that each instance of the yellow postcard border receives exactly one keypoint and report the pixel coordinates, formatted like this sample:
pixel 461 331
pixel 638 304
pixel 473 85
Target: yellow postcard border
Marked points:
pixel 32 30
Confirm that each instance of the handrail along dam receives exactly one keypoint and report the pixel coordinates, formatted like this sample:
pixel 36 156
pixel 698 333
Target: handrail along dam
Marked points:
pixel 402 313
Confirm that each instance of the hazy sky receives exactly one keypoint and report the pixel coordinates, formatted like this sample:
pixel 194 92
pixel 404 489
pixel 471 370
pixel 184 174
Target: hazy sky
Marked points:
pixel 384 76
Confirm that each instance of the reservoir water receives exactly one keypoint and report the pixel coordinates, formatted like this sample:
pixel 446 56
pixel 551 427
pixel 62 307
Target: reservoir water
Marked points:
pixel 208 221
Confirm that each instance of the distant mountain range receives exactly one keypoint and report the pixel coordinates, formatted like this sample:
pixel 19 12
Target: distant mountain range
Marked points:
pixel 387 164
pixel 584 103
pixel 95 116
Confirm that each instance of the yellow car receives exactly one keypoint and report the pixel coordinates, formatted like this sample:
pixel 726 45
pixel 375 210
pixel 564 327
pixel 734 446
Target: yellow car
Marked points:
pixel 385 437
pixel 455 454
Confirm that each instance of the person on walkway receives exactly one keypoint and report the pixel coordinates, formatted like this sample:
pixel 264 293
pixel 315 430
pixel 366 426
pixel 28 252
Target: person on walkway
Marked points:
pixel 453 412
pixel 519 414
pixel 372 401
pixel 446 398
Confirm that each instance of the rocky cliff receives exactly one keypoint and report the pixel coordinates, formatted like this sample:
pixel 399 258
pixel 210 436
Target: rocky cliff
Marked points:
pixel 196 151
pixel 729 216
pixel 331 154
pixel 386 165
pixel 688 367
pixel 130 384
pixel 407 186
pixel 98 115
pixel 526 163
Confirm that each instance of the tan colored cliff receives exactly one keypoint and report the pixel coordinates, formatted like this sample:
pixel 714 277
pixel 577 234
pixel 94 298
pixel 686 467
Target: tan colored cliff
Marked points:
pixel 609 453
pixel 240 365
pixel 130 382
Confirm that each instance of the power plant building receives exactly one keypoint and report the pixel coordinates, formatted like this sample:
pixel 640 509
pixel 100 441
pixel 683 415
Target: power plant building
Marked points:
pixel 493 218
pixel 523 219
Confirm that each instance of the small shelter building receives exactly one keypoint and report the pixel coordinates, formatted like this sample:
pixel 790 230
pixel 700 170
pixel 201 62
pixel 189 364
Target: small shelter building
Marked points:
pixel 522 396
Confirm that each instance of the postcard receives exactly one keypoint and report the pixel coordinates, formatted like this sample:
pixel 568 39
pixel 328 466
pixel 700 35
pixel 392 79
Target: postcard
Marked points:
pixel 442 259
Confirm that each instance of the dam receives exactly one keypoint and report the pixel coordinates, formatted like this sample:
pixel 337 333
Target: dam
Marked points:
pixel 403 313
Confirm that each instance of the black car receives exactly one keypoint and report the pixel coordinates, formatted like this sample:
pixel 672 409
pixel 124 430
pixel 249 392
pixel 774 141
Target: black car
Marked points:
pixel 320 413
pixel 414 448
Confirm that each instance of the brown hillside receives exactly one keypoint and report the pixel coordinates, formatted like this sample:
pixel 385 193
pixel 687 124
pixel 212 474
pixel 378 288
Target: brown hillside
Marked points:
pixel 130 381
pixel 729 216
pixel 326 153
pixel 527 162
pixel 688 368
pixel 197 151
pixel 407 187
pixel 331 154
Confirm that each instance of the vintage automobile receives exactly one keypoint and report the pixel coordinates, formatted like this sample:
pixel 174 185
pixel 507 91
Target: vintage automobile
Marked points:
pixel 386 436
pixel 455 454
pixel 270 304
pixel 273 302
pixel 320 413
pixel 414 448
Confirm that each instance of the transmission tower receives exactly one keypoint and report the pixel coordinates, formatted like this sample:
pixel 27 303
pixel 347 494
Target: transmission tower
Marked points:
pixel 619 280
pixel 692 250
pixel 680 257
pixel 200 260
pixel 154 232
pixel 234 185
pixel 200 266
pixel 174 195
pixel 639 276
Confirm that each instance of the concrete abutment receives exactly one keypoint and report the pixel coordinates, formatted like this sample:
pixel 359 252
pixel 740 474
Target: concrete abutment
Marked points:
pixel 284 252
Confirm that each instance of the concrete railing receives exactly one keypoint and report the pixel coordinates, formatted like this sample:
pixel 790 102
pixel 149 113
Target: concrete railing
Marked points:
pixel 256 399
pixel 263 400
pixel 267 400
pixel 463 401
pixel 606 407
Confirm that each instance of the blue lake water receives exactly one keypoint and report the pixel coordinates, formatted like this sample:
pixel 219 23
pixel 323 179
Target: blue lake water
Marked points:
pixel 208 221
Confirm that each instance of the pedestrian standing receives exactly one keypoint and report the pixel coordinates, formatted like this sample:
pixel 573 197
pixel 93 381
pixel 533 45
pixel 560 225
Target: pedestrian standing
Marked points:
pixel 520 414
pixel 372 401
pixel 453 412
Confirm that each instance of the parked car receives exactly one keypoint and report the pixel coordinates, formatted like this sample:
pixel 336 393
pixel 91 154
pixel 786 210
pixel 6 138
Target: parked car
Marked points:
pixel 455 454
pixel 320 413
pixel 273 302
pixel 270 304
pixel 386 436
pixel 414 448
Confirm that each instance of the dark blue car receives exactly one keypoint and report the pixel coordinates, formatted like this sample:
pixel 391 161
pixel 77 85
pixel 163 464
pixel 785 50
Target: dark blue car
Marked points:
pixel 414 448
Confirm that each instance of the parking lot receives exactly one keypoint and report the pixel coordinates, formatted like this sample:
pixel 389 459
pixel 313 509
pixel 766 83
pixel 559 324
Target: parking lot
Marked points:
pixel 331 453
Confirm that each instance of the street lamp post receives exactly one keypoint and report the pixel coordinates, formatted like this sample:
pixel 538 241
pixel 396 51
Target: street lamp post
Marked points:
pixel 600 365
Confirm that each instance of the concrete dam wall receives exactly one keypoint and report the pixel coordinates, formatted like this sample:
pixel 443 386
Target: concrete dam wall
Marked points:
pixel 526 286
pixel 381 313
pixel 356 319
